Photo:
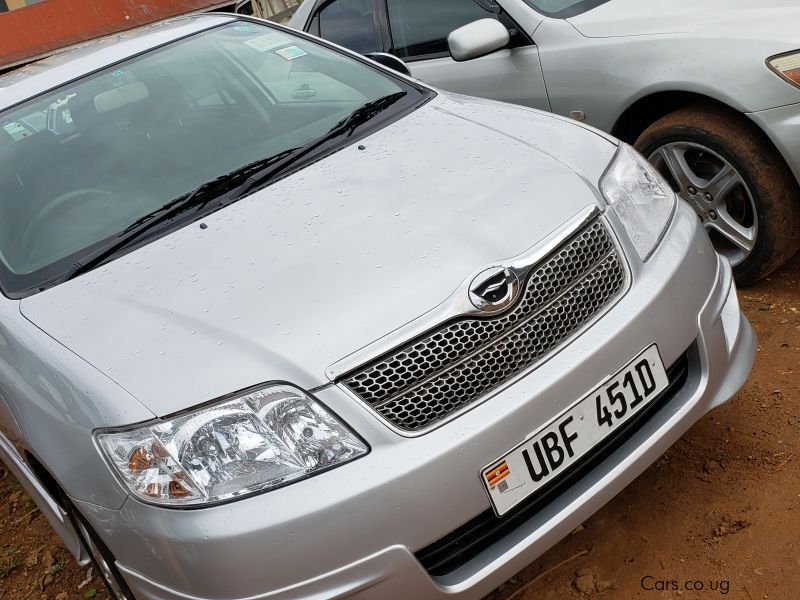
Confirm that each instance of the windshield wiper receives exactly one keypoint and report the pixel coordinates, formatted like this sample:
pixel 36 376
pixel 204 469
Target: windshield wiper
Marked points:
pixel 344 128
pixel 233 186
pixel 194 200
pixel 362 114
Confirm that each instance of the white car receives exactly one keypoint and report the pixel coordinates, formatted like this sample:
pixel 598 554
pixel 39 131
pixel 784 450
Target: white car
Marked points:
pixel 709 91
pixel 278 322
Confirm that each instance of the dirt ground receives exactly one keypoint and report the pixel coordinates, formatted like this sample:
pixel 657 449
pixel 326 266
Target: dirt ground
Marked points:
pixel 720 510
pixel 33 561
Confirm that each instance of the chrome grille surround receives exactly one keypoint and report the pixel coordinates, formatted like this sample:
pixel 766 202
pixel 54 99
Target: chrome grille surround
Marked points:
pixel 455 364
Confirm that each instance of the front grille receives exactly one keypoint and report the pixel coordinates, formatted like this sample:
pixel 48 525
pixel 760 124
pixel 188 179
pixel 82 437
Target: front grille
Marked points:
pixel 454 365
pixel 465 543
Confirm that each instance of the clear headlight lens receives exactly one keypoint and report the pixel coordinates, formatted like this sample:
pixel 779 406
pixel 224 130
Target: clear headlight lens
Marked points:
pixel 263 439
pixel 640 197
pixel 787 66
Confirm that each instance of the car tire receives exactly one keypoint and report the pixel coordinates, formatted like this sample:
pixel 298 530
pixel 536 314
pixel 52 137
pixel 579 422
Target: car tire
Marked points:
pixel 737 182
pixel 102 558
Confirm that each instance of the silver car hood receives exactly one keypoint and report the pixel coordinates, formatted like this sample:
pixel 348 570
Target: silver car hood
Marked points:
pixel 291 279
pixel 766 19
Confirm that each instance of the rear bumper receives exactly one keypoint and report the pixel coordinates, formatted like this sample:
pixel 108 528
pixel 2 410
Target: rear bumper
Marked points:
pixel 355 529
pixel 782 126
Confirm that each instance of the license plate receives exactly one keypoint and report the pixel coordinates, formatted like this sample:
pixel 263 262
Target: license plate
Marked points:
pixel 549 452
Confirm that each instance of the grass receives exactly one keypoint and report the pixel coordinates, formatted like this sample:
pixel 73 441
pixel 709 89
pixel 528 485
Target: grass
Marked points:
pixel 57 567
pixel 6 566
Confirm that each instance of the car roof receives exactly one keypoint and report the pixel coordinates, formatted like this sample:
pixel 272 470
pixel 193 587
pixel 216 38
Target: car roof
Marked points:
pixel 39 77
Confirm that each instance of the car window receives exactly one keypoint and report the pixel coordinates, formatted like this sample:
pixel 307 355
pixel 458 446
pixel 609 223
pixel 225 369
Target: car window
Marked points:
pixel 421 27
pixel 123 142
pixel 349 23
pixel 35 121
pixel 57 117
pixel 16 130
pixel 564 8
pixel 59 120
pixel 293 81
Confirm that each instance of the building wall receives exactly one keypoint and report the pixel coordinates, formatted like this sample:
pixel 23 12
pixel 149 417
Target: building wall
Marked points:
pixel 31 28
pixel 278 6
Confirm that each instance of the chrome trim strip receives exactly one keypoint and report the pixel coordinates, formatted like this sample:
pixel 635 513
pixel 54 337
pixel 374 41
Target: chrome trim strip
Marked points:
pixel 458 304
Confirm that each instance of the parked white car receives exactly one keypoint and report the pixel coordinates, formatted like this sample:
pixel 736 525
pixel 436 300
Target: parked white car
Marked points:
pixel 278 322
pixel 709 91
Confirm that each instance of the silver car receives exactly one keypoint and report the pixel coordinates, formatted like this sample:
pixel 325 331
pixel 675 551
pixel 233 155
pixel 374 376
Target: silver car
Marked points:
pixel 278 322
pixel 709 91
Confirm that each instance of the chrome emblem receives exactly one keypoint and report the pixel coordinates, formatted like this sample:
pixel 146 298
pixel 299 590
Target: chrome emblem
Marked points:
pixel 494 290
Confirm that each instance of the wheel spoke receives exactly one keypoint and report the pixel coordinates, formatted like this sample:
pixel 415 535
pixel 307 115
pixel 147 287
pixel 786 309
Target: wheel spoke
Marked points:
pixel 717 192
pixel 723 183
pixel 675 160
pixel 743 238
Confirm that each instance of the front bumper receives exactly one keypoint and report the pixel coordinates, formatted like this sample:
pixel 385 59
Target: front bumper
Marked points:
pixel 782 126
pixel 355 529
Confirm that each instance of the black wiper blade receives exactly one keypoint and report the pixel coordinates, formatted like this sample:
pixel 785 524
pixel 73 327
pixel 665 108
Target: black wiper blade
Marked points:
pixel 206 192
pixel 344 128
pixel 194 200
pixel 362 114
pixel 236 184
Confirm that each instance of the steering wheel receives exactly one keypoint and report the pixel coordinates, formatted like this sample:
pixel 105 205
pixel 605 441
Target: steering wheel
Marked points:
pixel 72 201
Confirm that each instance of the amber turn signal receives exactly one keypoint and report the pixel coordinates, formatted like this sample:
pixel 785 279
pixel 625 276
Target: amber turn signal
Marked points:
pixel 787 66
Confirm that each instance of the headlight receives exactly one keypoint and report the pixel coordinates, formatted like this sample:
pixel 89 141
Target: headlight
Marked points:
pixel 640 197
pixel 787 66
pixel 259 440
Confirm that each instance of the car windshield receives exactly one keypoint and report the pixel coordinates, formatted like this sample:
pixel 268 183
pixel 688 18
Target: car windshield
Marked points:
pixel 83 163
pixel 563 9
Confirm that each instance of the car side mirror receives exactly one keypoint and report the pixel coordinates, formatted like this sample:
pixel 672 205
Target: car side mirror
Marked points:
pixel 390 61
pixel 477 39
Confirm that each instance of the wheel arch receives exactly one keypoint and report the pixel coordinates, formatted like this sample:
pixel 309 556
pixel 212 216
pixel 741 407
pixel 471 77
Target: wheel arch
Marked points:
pixel 775 189
pixel 645 111
pixel 45 493
pixel 56 495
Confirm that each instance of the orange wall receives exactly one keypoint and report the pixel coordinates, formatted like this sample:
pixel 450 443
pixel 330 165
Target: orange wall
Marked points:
pixel 40 28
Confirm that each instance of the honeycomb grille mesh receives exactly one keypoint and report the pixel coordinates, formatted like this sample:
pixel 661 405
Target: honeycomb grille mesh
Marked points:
pixel 454 365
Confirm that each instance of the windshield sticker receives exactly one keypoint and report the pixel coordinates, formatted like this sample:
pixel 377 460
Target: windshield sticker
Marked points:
pixel 291 53
pixel 268 41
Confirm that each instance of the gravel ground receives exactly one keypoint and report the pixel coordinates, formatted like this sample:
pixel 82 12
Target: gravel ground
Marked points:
pixel 720 509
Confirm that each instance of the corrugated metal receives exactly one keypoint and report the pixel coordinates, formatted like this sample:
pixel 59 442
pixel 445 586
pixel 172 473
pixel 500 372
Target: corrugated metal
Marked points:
pixel 38 29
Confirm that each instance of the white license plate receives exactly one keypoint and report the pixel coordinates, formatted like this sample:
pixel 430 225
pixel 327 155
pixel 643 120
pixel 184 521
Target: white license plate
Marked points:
pixel 549 452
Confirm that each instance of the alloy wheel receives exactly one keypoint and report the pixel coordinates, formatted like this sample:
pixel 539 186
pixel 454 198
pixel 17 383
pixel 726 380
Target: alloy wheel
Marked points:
pixel 717 192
